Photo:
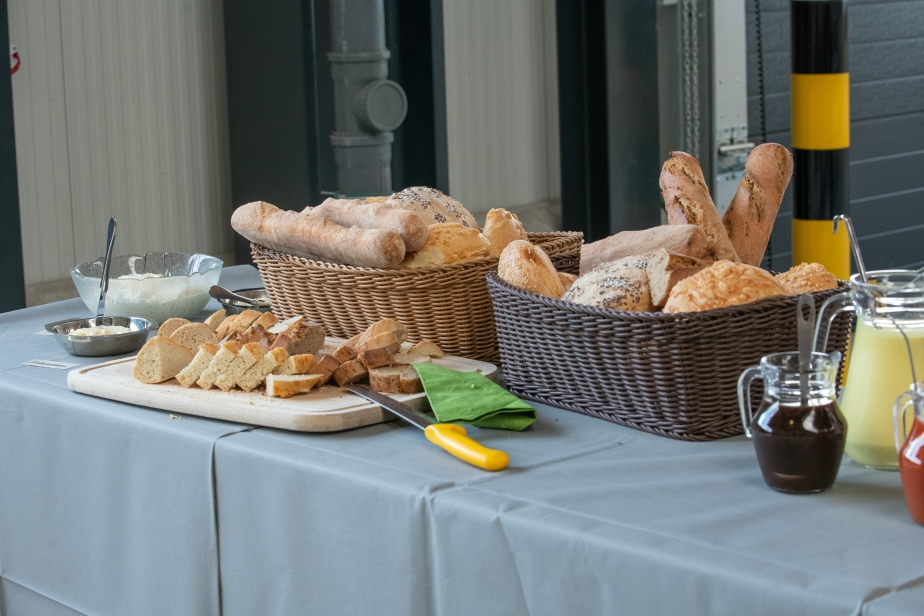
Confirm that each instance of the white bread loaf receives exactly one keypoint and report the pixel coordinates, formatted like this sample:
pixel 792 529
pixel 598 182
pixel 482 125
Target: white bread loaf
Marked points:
pixel 687 201
pixel 619 285
pixel 686 240
pixel 721 285
pixel 160 359
pixel 447 243
pixel 314 237
pixel 502 227
pixel 528 267
pixel 286 386
pixel 411 226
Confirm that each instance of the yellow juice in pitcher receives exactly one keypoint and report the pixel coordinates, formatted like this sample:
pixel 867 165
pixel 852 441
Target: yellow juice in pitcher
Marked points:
pixel 879 372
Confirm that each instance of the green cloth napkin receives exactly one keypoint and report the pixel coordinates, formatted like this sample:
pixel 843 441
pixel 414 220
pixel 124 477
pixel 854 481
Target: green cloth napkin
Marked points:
pixel 471 398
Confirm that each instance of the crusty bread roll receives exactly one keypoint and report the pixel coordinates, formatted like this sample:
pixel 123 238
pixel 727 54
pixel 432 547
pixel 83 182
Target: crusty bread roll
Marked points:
pixel 160 359
pixel 665 269
pixel 314 237
pixel 192 335
pixel 528 267
pixel 750 217
pixel 806 278
pixel 721 285
pixel 447 243
pixel 502 227
pixel 686 240
pixel 411 226
pixel 620 285
pixel 687 201
pixel 433 204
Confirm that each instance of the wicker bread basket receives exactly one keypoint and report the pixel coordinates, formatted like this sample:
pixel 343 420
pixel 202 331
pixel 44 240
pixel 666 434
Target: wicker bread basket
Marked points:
pixel 673 375
pixel 448 304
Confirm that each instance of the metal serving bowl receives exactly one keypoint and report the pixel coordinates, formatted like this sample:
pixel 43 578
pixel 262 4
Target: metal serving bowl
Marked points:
pixel 101 346
pixel 261 301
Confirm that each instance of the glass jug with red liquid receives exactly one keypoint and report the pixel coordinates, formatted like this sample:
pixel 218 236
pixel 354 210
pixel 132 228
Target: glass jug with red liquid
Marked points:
pixel 910 446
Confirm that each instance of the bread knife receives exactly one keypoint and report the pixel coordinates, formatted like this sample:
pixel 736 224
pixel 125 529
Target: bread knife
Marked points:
pixel 451 437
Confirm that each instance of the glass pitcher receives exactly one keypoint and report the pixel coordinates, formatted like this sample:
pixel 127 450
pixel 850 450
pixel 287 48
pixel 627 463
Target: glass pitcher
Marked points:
pixel 799 441
pixel 910 447
pixel 879 367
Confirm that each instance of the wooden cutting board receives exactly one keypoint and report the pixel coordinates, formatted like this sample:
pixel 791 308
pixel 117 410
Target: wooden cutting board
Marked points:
pixel 323 410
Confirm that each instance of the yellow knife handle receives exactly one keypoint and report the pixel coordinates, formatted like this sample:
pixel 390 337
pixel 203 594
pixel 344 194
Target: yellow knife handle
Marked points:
pixel 452 438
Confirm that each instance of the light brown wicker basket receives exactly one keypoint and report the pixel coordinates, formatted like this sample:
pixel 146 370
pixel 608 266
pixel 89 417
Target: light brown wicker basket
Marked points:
pixel 448 304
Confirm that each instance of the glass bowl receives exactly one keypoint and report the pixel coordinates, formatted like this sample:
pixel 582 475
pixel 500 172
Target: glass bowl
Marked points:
pixel 157 286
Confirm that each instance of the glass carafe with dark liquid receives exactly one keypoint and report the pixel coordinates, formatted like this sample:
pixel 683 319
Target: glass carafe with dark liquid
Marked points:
pixel 799 439
pixel 890 309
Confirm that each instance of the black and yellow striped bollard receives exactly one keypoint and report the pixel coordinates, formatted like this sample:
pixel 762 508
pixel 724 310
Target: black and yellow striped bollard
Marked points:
pixel 820 133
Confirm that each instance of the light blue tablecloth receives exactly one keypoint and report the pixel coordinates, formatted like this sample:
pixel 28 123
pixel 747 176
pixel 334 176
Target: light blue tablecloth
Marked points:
pixel 107 508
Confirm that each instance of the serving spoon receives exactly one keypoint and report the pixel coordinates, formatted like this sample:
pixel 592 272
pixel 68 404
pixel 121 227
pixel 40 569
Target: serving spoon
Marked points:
pixel 219 293
pixel 107 260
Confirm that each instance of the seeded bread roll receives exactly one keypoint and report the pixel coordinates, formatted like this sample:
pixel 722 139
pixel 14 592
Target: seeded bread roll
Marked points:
pixel 502 227
pixel 721 285
pixel 686 240
pixel 312 237
pixel 619 285
pixel 807 278
pixel 528 267
pixel 687 201
pixel 750 217
pixel 433 204
pixel 411 226
pixel 160 359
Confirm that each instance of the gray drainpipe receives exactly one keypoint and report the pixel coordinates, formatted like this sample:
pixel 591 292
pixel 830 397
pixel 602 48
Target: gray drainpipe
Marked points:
pixel 368 106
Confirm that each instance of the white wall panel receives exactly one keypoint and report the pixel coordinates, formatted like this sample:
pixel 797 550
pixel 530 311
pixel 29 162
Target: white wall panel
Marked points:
pixel 136 123
pixel 502 102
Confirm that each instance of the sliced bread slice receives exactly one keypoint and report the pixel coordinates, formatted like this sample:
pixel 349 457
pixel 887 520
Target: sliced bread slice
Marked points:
pixel 350 372
pixel 222 360
pixel 160 359
pixel 194 335
pixel 287 385
pixel 250 354
pixel 191 373
pixel 215 319
pixel 296 364
pixel 169 326
pixel 257 372
pixel 425 347
pixel 395 380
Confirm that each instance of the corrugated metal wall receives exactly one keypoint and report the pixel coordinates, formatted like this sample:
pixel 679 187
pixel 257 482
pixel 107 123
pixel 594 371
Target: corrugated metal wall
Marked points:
pixel 120 109
pixel 502 102
pixel 887 123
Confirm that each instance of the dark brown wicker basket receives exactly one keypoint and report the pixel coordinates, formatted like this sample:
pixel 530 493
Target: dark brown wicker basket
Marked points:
pixel 673 375
pixel 448 304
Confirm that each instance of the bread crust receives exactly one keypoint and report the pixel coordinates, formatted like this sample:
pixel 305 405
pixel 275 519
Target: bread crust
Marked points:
pixel 721 285
pixel 807 278
pixel 686 240
pixel 750 217
pixel 433 204
pixel 301 235
pixel 411 226
pixel 528 267
pixel 448 243
pixel 619 285
pixel 687 201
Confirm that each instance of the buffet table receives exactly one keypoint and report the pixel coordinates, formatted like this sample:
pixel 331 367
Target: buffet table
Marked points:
pixel 107 508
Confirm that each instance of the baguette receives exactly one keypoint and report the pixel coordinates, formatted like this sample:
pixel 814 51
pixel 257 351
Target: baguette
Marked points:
pixel 687 201
pixel 447 243
pixel 411 226
pixel 216 319
pixel 688 240
pixel 750 217
pixel 169 326
pixel 312 237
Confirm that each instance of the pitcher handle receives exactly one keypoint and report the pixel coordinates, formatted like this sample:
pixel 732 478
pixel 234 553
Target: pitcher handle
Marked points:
pixel 832 307
pixel 898 419
pixel 744 397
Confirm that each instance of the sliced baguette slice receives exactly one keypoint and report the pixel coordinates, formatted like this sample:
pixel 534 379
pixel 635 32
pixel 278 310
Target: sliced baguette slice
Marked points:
pixel 395 380
pixel 376 358
pixel 222 360
pixel 191 373
pixel 352 371
pixel 160 359
pixel 244 320
pixel 344 353
pixel 425 347
pixel 250 354
pixel 169 326
pixel 287 385
pixel 326 367
pixel 267 320
pixel 257 372
pixel 222 330
pixel 408 359
pixel 216 319
pixel 296 364
pixel 385 340
pixel 194 335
